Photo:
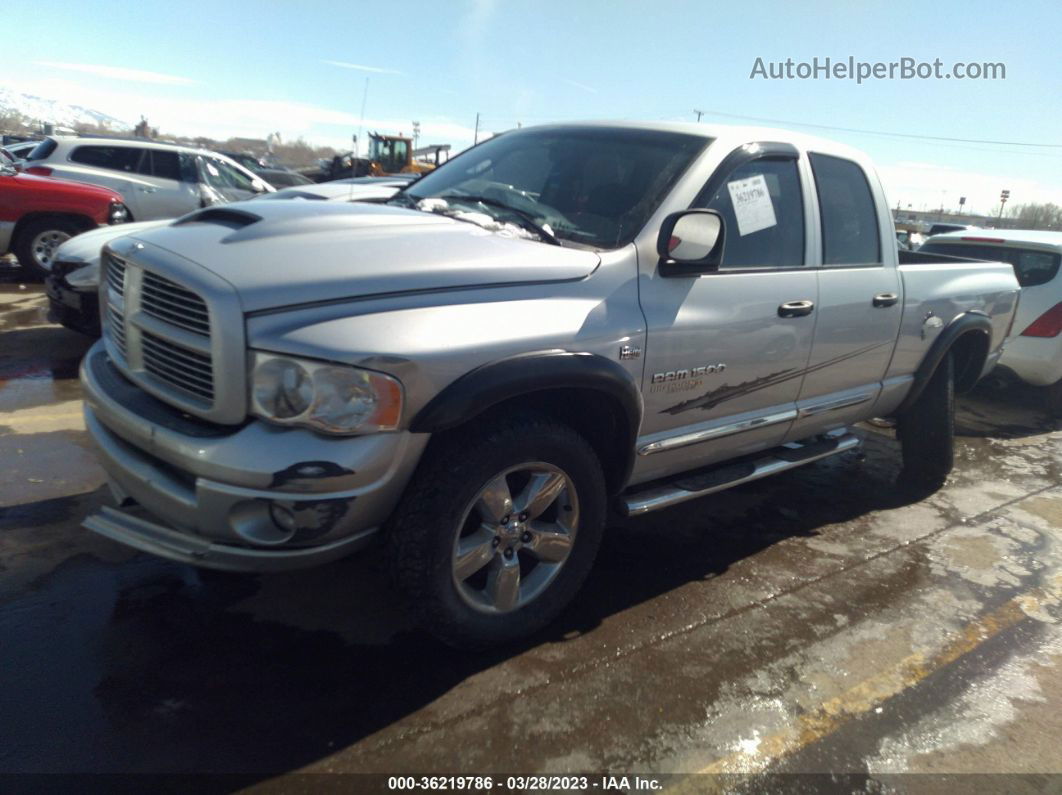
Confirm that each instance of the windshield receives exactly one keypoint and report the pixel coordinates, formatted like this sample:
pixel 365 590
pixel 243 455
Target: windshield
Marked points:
pixel 594 186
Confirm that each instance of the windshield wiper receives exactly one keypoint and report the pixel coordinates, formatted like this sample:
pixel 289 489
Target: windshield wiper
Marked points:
pixel 526 217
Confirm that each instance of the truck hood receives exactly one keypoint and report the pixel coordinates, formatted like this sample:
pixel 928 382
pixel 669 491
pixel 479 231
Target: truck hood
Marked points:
pixel 284 253
pixel 57 189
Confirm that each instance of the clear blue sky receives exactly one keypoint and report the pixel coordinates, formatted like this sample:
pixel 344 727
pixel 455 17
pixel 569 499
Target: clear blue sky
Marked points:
pixel 250 67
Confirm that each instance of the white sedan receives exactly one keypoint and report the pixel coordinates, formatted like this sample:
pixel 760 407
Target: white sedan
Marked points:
pixel 1034 351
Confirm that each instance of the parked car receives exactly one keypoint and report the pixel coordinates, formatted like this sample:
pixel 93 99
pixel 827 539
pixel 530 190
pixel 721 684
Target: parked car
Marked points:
pixel 73 279
pixel 942 229
pixel 38 213
pixel 558 318
pixel 909 241
pixel 276 176
pixel 156 180
pixel 20 150
pixel 1035 354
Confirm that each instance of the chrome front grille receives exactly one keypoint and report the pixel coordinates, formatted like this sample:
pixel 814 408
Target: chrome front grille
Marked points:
pixel 169 302
pixel 116 274
pixel 181 367
pixel 174 330
pixel 116 325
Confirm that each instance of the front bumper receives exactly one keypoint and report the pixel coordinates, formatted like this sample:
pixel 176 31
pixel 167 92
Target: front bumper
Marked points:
pixel 219 489
pixel 76 309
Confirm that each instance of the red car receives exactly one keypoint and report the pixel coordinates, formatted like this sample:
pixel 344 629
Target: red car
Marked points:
pixel 39 213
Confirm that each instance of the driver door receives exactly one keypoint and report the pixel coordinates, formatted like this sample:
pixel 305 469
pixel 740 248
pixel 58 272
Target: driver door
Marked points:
pixel 724 356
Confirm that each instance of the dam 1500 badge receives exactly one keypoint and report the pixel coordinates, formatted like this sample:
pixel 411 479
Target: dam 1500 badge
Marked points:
pixel 682 380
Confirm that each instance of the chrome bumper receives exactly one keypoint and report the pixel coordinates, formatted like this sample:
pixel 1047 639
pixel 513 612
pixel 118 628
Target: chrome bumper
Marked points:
pixel 219 491
pixel 133 531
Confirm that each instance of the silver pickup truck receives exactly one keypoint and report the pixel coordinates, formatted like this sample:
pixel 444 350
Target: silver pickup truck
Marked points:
pixel 559 321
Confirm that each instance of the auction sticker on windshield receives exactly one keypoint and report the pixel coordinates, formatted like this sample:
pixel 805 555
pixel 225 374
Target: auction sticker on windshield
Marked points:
pixel 752 204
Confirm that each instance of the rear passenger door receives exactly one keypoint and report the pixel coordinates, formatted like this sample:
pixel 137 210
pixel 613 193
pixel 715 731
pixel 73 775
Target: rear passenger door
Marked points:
pixel 114 167
pixel 859 300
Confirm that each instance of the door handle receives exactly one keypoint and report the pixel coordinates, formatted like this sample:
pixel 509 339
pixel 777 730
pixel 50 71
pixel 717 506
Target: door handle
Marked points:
pixel 796 308
pixel 885 299
pixel 144 189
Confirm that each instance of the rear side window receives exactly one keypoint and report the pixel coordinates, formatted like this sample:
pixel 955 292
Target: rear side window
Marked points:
pixel 165 164
pixel 42 150
pixel 1032 267
pixel 115 158
pixel 850 233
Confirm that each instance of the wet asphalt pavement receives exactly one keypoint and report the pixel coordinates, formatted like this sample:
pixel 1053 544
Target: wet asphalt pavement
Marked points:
pixel 818 621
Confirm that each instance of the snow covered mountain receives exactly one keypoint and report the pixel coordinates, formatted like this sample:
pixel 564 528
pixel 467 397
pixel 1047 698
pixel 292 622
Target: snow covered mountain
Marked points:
pixel 58 113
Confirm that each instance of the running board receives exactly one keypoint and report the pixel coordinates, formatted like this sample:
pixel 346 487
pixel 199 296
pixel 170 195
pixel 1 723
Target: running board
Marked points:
pixel 691 486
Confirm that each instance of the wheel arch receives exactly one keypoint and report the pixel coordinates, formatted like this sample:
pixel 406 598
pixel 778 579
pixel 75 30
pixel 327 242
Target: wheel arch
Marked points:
pixel 968 338
pixel 592 394
pixel 83 221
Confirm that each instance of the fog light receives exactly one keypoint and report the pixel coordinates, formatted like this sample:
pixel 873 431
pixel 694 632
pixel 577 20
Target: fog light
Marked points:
pixel 283 517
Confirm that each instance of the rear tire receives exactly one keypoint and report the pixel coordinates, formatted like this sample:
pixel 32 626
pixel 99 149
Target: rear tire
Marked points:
pixel 37 242
pixel 926 431
pixel 475 579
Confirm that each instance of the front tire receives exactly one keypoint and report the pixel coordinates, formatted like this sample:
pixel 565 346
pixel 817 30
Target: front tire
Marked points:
pixel 38 241
pixel 926 431
pixel 498 530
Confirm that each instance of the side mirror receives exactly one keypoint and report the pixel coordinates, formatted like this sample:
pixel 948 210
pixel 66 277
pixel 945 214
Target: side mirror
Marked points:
pixel 690 242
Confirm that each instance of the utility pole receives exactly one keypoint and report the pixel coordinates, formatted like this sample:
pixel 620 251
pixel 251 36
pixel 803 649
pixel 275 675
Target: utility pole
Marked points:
pixel 361 121
pixel 475 137
pixel 699 113
pixel 416 133
pixel 1003 196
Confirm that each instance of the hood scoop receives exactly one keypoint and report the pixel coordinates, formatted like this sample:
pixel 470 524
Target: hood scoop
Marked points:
pixel 223 216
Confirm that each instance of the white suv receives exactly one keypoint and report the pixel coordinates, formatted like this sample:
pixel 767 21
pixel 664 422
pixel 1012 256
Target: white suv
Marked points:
pixel 1034 352
pixel 156 180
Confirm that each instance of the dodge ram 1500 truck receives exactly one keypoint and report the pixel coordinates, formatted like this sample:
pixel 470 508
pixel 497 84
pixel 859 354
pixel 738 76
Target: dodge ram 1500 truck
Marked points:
pixel 559 320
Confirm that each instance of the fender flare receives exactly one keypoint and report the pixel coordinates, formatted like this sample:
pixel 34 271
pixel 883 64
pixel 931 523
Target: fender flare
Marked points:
pixel 526 374
pixel 973 321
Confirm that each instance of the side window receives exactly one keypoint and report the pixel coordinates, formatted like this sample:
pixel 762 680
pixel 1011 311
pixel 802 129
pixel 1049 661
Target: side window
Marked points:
pixel 763 212
pixel 165 164
pixel 115 158
pixel 850 233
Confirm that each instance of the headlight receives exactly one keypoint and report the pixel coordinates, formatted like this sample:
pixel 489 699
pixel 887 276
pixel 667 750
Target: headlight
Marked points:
pixel 332 398
pixel 119 214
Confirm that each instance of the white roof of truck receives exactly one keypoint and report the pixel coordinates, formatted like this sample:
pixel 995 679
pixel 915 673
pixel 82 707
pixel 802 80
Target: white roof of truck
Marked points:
pixel 1007 237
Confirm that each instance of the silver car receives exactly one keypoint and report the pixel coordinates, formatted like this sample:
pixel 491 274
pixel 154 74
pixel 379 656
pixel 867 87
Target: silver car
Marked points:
pixel 156 180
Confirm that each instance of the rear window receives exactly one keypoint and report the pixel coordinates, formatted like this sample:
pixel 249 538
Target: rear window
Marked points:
pixel 115 158
pixel 1032 267
pixel 42 150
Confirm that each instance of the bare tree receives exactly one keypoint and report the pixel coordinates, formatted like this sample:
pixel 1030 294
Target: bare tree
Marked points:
pixel 1036 216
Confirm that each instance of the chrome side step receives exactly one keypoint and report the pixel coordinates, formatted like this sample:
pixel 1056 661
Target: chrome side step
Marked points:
pixel 725 476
